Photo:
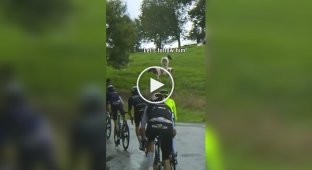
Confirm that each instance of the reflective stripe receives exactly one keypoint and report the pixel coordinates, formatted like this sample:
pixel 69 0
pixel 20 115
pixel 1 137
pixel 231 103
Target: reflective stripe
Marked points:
pixel 161 120
pixel 159 126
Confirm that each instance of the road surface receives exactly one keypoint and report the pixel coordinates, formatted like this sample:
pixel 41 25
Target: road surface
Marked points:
pixel 190 148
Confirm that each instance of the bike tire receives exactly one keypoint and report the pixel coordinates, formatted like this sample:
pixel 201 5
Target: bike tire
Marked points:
pixel 157 162
pixel 125 137
pixel 173 165
pixel 115 138
pixel 108 127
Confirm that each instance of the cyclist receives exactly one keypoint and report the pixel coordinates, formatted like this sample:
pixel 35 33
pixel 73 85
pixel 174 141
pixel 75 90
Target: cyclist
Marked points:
pixel 158 120
pixel 139 104
pixel 170 103
pixel 117 105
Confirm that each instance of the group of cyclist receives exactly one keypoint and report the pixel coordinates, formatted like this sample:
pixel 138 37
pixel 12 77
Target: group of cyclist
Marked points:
pixel 151 120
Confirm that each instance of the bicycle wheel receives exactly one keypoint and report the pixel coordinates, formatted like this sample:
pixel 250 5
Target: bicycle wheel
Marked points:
pixel 116 136
pixel 125 136
pixel 172 163
pixel 157 162
pixel 108 126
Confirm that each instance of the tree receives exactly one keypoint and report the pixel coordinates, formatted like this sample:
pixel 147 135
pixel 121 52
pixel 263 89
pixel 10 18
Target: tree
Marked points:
pixel 158 21
pixel 35 15
pixel 120 34
pixel 140 35
pixel 178 20
pixel 197 15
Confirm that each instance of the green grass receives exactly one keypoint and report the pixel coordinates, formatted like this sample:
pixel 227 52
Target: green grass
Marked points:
pixel 56 63
pixel 189 76
pixel 259 87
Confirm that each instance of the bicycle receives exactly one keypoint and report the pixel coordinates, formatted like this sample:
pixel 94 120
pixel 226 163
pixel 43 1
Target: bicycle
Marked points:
pixel 123 133
pixel 157 162
pixel 108 125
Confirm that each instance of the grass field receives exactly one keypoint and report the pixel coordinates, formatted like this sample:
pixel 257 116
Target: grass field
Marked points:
pixel 189 76
pixel 259 85
pixel 54 64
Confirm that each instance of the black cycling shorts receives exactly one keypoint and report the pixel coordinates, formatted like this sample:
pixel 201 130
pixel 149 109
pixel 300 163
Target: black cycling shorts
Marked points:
pixel 138 117
pixel 165 136
pixel 115 109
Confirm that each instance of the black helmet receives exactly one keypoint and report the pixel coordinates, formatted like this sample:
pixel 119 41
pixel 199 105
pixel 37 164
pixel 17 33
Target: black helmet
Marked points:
pixel 134 90
pixel 164 92
pixel 111 88
pixel 157 97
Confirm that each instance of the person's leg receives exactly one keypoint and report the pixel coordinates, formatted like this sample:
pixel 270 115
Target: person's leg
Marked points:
pixel 174 142
pixel 137 120
pixel 166 148
pixel 150 147
pixel 137 132
pixel 150 154
pixel 114 115
pixel 122 112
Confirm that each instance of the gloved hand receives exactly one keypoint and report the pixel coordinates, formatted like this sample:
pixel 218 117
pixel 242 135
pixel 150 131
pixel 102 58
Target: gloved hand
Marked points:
pixel 143 144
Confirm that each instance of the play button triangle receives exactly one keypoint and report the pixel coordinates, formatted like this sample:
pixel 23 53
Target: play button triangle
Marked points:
pixel 154 85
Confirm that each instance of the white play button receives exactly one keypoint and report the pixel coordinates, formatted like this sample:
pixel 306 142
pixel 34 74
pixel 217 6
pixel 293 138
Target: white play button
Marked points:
pixel 154 85
pixel 148 83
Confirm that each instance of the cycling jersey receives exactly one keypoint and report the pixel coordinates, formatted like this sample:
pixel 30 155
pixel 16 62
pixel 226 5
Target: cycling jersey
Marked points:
pixel 157 114
pixel 159 120
pixel 171 104
pixel 116 103
pixel 113 98
pixel 139 105
pixel 137 102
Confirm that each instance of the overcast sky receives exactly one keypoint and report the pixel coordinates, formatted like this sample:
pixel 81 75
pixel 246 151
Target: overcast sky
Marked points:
pixel 134 7
pixel 134 10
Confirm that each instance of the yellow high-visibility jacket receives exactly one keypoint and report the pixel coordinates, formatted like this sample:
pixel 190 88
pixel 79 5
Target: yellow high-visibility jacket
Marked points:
pixel 171 104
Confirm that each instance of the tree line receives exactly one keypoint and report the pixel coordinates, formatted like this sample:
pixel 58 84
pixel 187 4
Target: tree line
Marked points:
pixel 160 22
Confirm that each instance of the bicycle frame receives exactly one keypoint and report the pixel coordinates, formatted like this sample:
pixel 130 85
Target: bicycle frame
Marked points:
pixel 157 161
pixel 123 132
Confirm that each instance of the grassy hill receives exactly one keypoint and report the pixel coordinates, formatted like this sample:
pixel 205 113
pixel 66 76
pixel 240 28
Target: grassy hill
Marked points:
pixel 189 76
pixel 259 87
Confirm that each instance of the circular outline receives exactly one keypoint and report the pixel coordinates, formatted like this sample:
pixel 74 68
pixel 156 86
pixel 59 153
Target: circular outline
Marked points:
pixel 172 88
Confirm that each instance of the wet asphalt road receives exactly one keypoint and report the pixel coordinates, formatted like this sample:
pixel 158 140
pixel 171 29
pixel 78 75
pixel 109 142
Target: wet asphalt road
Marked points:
pixel 190 148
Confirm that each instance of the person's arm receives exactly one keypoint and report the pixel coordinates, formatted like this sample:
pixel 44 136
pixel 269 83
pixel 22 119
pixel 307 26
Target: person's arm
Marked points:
pixel 130 104
pixel 143 123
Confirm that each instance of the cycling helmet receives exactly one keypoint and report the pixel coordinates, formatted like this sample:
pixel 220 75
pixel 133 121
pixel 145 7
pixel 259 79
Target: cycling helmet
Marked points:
pixel 164 92
pixel 157 97
pixel 134 90
pixel 111 88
